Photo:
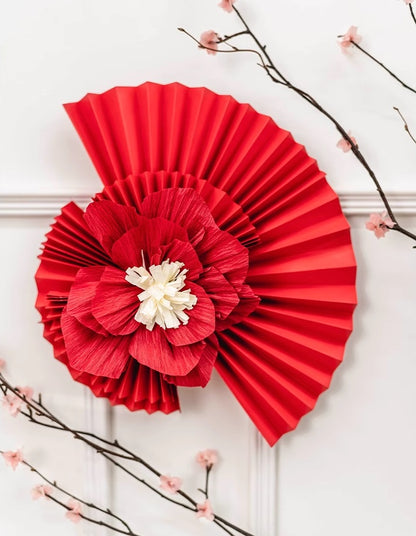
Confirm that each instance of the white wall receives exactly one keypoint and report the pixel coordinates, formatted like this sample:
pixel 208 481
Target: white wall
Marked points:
pixel 349 467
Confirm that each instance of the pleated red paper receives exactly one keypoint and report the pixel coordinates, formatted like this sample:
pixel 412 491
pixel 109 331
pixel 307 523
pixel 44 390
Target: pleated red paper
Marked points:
pixel 262 188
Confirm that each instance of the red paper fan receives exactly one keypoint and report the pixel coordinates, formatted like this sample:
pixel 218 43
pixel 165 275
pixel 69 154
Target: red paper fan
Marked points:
pixel 225 174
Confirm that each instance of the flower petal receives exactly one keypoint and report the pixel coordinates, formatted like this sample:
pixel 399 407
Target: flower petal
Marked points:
pixel 89 352
pixel 147 237
pixel 176 205
pixel 248 304
pixel 201 374
pixel 183 252
pixel 115 302
pixel 81 295
pixel 151 348
pixel 222 294
pixel 108 221
pixel 223 251
pixel 201 323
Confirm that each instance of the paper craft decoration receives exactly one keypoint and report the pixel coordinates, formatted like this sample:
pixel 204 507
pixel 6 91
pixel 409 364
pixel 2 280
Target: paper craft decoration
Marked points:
pixel 215 243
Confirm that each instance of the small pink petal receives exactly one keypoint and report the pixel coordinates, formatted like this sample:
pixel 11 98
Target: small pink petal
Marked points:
pixel 349 37
pixel 73 514
pixel 13 458
pixel 209 39
pixel 227 5
pixel 171 484
pixel 387 220
pixel 13 404
pixel 207 458
pixel 345 145
pixel 41 491
pixel 204 510
pixel 2 364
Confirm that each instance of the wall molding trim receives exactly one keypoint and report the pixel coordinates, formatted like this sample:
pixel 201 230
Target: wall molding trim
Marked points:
pixel 263 486
pixel 42 205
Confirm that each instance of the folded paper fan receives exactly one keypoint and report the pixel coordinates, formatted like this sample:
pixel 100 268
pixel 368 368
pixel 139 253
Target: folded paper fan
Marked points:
pixel 215 243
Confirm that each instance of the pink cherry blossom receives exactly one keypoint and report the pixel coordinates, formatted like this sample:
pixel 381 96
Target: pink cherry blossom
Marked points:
pixel 379 224
pixel 204 510
pixel 345 145
pixel 209 39
pixel 408 1
pixel 207 458
pixel 41 491
pixel 13 458
pixel 171 484
pixel 2 364
pixel 74 512
pixel 227 5
pixel 13 404
pixel 349 37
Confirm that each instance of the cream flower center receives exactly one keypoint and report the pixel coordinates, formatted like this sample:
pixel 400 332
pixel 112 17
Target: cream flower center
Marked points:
pixel 163 302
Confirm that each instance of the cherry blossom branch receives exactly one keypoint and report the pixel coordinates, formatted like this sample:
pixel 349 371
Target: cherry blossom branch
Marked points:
pixel 110 450
pixel 406 126
pixel 389 71
pixel 224 40
pixel 276 75
pixel 53 484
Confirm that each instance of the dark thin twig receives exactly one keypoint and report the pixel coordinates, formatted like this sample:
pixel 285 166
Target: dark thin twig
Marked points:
pixel 383 67
pixel 406 126
pixel 208 472
pixel 228 37
pixel 250 50
pixel 412 13
pixel 205 491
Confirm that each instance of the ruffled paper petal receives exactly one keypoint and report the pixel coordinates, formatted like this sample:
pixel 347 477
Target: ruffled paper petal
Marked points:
pixel 201 374
pixel 183 206
pixel 128 249
pixel 151 348
pixel 109 221
pixel 181 251
pixel 89 352
pixel 222 294
pixel 201 323
pixel 115 302
pixel 247 304
pixel 81 296
pixel 226 254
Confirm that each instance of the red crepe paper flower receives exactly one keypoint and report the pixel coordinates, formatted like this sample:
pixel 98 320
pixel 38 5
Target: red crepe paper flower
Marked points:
pixel 171 238
pixel 216 242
